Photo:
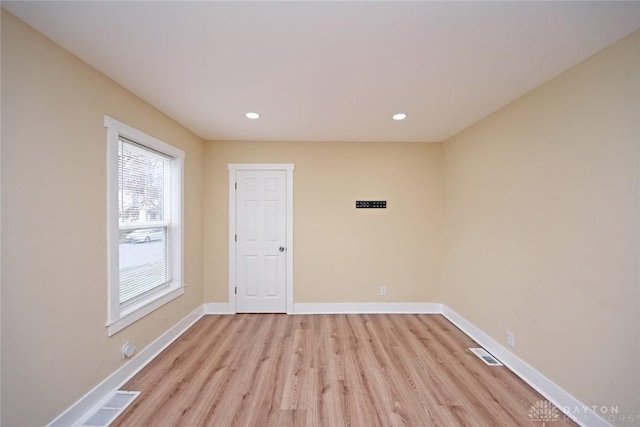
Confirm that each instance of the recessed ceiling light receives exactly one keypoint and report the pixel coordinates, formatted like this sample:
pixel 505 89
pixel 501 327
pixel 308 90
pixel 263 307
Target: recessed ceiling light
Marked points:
pixel 252 116
pixel 399 116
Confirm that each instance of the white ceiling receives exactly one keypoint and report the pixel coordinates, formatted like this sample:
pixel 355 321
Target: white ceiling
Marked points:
pixel 330 71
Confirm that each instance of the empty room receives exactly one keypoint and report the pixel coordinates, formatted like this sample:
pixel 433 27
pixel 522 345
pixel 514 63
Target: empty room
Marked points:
pixel 320 213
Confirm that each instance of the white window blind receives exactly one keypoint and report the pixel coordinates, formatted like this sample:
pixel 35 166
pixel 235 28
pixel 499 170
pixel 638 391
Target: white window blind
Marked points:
pixel 144 218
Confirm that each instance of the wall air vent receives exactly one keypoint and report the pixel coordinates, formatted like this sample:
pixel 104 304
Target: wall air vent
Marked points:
pixel 485 356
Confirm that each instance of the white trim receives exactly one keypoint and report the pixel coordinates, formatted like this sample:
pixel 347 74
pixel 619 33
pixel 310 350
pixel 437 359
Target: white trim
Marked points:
pixel 566 403
pixel 141 137
pixel 368 308
pixel 137 312
pixel 94 398
pixel 218 308
pixel 118 317
pixel 113 234
pixel 232 239
pixel 233 168
pixel 289 252
pixel 289 167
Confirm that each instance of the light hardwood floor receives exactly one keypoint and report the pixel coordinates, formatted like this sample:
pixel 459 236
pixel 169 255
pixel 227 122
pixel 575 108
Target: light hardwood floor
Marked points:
pixel 326 370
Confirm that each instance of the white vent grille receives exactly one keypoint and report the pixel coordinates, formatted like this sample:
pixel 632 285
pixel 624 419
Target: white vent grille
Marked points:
pixel 485 356
pixel 109 411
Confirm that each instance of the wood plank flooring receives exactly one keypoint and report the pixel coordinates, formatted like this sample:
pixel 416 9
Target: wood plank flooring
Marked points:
pixel 326 370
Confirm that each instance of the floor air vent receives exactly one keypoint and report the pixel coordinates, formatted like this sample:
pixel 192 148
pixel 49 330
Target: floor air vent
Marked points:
pixel 485 356
pixel 114 406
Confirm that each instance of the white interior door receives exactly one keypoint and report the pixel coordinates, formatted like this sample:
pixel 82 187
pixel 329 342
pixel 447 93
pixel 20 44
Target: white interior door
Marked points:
pixel 261 237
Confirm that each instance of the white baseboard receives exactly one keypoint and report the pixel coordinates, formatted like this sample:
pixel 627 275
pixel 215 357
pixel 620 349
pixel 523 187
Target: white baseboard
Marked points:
pixel 342 308
pixel 368 308
pixel 218 308
pixel 95 398
pixel 569 405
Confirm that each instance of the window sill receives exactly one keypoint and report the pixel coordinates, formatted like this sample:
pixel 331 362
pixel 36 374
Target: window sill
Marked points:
pixel 137 312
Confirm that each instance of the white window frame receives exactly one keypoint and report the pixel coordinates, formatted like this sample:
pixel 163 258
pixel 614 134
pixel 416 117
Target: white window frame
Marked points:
pixel 121 317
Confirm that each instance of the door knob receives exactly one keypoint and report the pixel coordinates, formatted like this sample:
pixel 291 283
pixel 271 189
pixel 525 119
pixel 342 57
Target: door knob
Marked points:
pixel 281 248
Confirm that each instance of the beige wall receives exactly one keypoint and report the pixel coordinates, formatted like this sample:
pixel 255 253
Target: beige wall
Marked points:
pixel 54 281
pixel 342 254
pixel 542 217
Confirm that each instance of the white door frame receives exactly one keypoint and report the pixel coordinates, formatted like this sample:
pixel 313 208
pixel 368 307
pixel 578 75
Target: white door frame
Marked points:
pixel 233 168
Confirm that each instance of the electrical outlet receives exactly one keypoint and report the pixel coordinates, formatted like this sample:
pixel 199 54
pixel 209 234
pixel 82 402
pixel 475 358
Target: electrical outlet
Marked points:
pixel 383 291
pixel 511 339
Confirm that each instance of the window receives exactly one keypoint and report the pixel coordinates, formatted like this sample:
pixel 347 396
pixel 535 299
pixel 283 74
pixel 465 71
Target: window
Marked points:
pixel 144 190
